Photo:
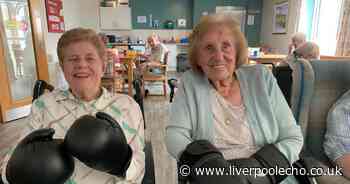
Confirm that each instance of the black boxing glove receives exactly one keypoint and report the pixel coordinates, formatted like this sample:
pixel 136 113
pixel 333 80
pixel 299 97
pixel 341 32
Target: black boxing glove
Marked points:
pixel 268 157
pixel 99 142
pixel 202 155
pixel 39 159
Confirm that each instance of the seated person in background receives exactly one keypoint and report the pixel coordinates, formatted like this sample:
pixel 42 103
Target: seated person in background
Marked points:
pixel 308 50
pixel 103 131
pixel 337 138
pixel 103 38
pixel 156 56
pixel 227 113
pixel 297 40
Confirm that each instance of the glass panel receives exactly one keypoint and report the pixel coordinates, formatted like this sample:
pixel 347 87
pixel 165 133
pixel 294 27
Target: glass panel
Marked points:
pixel 18 46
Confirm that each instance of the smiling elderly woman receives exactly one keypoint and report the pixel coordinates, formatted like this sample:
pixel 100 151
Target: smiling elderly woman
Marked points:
pixel 226 113
pixel 82 55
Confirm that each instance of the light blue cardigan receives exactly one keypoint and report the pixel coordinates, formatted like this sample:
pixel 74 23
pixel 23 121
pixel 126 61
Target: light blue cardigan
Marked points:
pixel 268 114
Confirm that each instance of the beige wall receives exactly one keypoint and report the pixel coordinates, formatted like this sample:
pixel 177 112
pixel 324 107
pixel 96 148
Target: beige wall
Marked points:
pixel 279 42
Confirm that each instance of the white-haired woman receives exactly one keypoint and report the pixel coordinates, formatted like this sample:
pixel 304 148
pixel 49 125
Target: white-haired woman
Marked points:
pixel 226 113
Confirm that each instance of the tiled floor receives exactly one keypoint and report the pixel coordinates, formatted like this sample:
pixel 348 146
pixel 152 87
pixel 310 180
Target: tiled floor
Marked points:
pixel 156 116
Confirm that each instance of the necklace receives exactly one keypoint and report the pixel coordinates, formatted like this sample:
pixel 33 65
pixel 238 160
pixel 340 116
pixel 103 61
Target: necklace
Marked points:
pixel 230 112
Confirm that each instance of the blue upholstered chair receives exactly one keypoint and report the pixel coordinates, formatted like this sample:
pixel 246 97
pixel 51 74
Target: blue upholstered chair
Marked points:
pixel 302 90
pixel 316 87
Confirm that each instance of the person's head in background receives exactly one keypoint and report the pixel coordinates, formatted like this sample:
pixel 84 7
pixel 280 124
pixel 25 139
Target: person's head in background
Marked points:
pixel 82 56
pixel 217 47
pixel 153 41
pixel 297 39
pixel 308 50
pixel 103 37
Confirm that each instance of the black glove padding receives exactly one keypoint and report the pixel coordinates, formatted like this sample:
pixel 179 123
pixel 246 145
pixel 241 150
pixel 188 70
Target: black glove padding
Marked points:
pixel 196 151
pixel 267 157
pixel 202 155
pixel 39 159
pixel 99 142
pixel 253 176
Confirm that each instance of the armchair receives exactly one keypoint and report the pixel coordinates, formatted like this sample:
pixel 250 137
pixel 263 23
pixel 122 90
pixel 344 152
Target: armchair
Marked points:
pixel 315 89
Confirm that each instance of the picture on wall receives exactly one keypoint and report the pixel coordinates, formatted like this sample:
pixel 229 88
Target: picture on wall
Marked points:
pixel 280 18
pixel 55 20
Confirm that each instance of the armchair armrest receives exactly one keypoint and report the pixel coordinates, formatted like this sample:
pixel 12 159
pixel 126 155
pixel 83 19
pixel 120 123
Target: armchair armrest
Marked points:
pixel 160 66
pixel 311 162
pixel 163 65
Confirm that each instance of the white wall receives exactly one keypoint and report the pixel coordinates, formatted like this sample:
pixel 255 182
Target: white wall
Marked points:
pixel 85 13
pixel 71 20
pixel 279 42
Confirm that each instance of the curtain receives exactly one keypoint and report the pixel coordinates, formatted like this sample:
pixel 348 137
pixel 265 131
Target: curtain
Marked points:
pixel 298 5
pixel 343 41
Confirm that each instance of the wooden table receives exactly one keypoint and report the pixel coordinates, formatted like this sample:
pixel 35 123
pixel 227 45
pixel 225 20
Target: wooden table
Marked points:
pixel 109 82
pixel 119 75
pixel 334 58
pixel 269 58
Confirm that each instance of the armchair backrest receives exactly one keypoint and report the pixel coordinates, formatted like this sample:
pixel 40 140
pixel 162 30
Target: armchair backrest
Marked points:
pixel 302 91
pixel 39 88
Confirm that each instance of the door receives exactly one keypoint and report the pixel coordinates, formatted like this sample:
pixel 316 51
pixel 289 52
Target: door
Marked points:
pixel 238 13
pixel 22 55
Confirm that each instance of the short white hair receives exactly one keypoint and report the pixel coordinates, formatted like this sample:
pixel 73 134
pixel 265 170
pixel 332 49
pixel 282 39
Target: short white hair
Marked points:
pixel 308 50
pixel 299 37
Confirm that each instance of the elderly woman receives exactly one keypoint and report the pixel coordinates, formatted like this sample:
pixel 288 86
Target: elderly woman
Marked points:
pixel 337 137
pixel 308 50
pixel 158 50
pixel 88 118
pixel 225 112
pixel 156 57
pixel 297 39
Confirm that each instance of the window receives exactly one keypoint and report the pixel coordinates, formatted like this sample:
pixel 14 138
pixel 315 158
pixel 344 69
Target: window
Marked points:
pixel 319 20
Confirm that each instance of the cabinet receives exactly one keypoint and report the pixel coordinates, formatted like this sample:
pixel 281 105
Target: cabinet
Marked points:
pixel 175 50
pixel 115 18
pixel 23 56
